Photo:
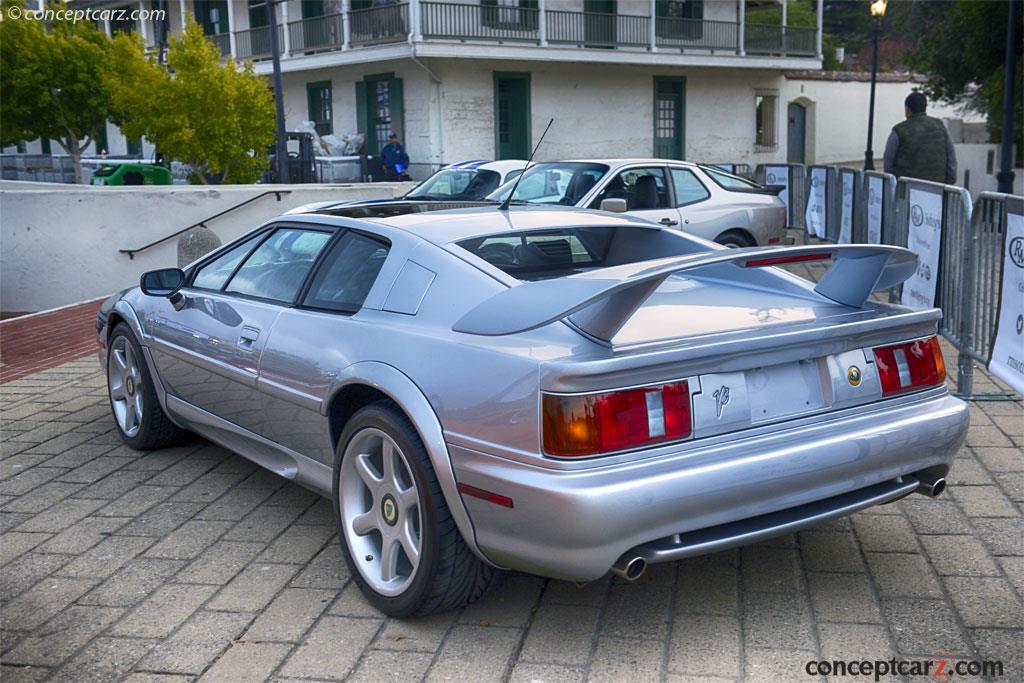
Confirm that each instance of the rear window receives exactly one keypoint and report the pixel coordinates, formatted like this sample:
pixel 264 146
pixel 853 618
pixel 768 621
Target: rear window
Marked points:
pixel 543 254
pixel 729 181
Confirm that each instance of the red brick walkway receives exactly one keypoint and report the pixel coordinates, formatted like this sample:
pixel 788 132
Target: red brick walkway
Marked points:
pixel 37 342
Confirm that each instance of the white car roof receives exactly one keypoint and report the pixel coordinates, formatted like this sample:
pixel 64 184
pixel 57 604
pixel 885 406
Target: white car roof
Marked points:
pixel 617 163
pixel 503 167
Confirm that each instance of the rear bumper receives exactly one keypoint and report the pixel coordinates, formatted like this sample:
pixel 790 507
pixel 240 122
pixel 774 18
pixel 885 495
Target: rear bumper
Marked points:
pixel 574 524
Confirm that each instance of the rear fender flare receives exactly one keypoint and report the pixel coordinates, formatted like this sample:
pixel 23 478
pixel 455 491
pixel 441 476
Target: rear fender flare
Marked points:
pixel 403 391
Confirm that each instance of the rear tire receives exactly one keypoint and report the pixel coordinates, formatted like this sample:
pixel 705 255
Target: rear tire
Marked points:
pixel 397 533
pixel 140 419
pixel 735 239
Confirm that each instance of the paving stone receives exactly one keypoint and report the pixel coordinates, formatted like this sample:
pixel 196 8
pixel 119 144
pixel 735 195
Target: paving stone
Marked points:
pixel 30 479
pixel 26 571
pixel 165 610
pixel 920 625
pixel 352 603
pixel 987 437
pixel 830 551
pixel 705 645
pixel 959 555
pixel 967 471
pixel 220 562
pixel 777 665
pixel 984 501
pixel 320 513
pixel 136 501
pixel 196 644
pixel 9 520
pixel 78 456
pixel 479 653
pixel 707 586
pixel 234 505
pixel 769 569
pixel 62 636
pixel 290 615
pixel 332 648
pixel 60 516
pixel 106 557
pixel 23 674
pixel 156 678
pixel 160 520
pixel 133 582
pixel 510 603
pixel 619 659
pixel 1001 536
pixel 189 540
pixel 1012 484
pixel 985 601
pixel 591 594
pixel 263 479
pixel 561 634
pixel 854 642
pixel 114 485
pixel 419 634
pixel 931 516
pixel 885 533
pixel 82 535
pixel 42 497
pixel 41 602
pixel 1001 645
pixel 294 496
pixel 383 665
pixel 843 597
pixel 182 473
pixel 777 621
pixel 262 524
pixel 246 661
pixel 254 588
pixel 1001 459
pixel 298 544
pixel 94 470
pixel 903 574
pixel 1014 569
pixel 635 610
pixel 327 570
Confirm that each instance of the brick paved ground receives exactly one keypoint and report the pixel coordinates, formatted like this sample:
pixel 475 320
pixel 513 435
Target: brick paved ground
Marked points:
pixel 36 342
pixel 190 563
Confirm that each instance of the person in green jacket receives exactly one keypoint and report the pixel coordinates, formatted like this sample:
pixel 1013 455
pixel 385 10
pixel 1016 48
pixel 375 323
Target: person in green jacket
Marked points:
pixel 920 147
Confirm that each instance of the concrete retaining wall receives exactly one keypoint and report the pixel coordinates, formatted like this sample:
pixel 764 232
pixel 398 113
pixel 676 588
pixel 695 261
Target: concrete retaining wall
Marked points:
pixel 59 243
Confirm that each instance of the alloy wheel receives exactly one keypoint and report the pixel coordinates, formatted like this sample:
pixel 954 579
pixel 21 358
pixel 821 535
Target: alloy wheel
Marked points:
pixel 380 511
pixel 124 381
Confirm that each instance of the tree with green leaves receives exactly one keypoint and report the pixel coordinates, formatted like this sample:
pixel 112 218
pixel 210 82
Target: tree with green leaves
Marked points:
pixel 51 78
pixel 217 117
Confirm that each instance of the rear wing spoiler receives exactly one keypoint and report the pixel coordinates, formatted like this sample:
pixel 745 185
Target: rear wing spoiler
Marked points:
pixel 599 302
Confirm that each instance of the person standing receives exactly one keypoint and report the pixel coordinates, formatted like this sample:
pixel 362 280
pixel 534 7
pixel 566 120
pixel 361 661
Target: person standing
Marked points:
pixel 394 159
pixel 920 147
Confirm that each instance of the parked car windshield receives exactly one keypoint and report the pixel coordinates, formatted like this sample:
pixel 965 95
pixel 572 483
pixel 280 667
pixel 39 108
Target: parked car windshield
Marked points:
pixel 553 183
pixel 457 184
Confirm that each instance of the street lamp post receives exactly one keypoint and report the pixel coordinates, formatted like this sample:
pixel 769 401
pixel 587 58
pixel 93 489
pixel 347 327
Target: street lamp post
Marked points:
pixel 280 148
pixel 1006 174
pixel 877 12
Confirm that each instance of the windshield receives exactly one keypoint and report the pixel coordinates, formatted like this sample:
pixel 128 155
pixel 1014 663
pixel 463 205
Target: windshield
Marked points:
pixel 452 183
pixel 553 183
pixel 542 254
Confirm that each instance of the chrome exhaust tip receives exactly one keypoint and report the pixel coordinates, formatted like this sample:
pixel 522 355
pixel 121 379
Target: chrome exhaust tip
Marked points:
pixel 631 569
pixel 932 488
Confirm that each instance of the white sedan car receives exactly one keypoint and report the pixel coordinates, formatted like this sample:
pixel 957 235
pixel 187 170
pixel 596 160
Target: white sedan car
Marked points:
pixel 698 199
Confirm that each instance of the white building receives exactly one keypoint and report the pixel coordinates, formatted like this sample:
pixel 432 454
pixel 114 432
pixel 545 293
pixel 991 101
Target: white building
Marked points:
pixel 475 79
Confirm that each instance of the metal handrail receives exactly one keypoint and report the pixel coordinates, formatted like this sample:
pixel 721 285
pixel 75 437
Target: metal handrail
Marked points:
pixel 202 224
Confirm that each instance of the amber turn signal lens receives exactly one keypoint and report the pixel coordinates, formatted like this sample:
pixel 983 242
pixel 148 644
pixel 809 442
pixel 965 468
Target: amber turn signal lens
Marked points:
pixel 910 365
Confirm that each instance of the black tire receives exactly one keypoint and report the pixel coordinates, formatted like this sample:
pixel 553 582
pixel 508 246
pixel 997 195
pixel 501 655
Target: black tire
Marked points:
pixel 155 429
pixel 449 575
pixel 735 239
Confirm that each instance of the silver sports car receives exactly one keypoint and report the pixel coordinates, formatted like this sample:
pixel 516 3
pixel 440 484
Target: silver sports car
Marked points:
pixel 555 391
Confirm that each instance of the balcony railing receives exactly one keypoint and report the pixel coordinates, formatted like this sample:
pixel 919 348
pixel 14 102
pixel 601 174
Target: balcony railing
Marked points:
pixel 474 22
pixel 223 43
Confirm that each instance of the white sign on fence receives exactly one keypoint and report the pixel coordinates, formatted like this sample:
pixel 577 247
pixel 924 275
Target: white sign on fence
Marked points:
pixel 846 208
pixel 814 216
pixel 924 237
pixel 778 175
pixel 1007 361
pixel 876 186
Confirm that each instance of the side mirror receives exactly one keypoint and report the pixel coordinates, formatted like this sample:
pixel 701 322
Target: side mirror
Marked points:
pixel 164 282
pixel 614 205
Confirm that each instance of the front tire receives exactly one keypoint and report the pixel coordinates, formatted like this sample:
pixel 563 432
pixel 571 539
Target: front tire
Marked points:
pixel 734 239
pixel 398 536
pixel 137 412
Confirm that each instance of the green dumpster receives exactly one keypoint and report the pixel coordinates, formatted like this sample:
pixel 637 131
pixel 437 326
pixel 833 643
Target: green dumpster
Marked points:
pixel 131 174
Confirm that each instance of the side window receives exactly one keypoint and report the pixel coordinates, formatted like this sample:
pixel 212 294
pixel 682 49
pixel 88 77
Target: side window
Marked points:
pixel 688 188
pixel 278 267
pixel 642 188
pixel 347 274
pixel 215 273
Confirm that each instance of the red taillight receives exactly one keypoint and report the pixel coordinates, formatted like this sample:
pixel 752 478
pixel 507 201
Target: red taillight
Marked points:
pixel 779 260
pixel 911 365
pixel 602 423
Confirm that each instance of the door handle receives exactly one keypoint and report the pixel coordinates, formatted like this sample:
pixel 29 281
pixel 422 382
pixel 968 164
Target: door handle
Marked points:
pixel 668 221
pixel 247 337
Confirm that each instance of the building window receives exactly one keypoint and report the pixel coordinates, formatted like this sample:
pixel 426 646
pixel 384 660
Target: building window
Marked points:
pixel 212 15
pixel 319 97
pixel 682 19
pixel 766 137
pixel 379 106
pixel 513 14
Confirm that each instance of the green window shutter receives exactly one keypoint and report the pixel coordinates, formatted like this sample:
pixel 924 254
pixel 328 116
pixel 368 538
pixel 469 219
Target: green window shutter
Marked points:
pixel 397 106
pixel 693 9
pixel 361 4
pixel 312 8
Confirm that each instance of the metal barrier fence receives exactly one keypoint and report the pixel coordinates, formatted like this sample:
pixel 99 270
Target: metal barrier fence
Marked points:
pixel 876 206
pixel 794 178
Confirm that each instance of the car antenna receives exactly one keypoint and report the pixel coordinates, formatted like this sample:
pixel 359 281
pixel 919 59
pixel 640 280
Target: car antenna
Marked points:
pixel 508 199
